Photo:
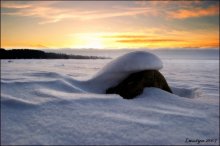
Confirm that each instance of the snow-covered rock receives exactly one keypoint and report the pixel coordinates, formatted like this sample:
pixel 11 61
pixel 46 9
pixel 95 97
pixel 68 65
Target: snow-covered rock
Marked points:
pixel 134 84
pixel 133 62
pixel 119 68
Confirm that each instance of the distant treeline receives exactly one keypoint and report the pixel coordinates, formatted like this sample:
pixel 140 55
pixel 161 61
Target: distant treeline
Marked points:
pixel 38 54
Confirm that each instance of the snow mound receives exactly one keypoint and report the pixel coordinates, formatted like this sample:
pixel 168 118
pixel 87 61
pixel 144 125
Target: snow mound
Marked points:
pixel 121 67
pixel 133 62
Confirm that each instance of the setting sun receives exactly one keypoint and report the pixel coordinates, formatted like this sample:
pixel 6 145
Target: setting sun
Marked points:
pixel 87 40
pixel 110 24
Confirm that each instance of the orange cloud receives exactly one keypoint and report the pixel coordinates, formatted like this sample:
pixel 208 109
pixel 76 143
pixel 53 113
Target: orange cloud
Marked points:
pixel 148 40
pixel 197 12
pixel 50 14
pixel 14 6
pixel 127 36
pixel 117 13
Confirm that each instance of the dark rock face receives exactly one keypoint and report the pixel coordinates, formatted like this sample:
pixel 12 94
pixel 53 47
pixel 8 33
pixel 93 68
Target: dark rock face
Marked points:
pixel 134 84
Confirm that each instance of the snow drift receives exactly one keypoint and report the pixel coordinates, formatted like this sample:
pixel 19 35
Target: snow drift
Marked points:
pixel 46 104
pixel 119 68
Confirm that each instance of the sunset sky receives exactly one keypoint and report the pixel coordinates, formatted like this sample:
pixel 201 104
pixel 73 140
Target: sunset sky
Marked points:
pixel 110 24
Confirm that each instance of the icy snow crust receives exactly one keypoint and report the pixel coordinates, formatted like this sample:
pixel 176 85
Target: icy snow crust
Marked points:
pixel 54 103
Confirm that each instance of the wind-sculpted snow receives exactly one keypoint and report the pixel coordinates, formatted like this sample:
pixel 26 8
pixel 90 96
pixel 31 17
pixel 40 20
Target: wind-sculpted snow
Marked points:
pixel 43 103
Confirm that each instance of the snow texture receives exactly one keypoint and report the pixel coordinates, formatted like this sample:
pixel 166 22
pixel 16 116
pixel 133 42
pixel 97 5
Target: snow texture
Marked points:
pixel 59 102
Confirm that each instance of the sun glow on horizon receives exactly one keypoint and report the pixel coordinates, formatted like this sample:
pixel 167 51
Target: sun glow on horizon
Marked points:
pixel 110 24
pixel 87 40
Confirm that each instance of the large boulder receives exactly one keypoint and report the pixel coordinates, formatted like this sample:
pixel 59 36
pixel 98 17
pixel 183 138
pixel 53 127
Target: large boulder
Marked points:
pixel 134 84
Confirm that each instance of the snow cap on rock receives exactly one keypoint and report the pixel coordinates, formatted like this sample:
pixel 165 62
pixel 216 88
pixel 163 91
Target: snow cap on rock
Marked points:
pixel 134 61
pixel 119 68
